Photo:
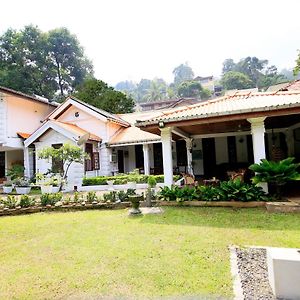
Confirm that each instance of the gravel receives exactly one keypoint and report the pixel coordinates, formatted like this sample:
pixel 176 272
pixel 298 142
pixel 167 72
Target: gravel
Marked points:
pixel 253 271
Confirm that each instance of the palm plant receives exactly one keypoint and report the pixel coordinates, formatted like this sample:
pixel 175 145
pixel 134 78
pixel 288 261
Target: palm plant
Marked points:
pixel 277 173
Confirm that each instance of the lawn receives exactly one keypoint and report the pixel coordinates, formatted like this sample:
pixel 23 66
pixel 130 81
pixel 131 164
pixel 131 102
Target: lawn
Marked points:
pixel 100 253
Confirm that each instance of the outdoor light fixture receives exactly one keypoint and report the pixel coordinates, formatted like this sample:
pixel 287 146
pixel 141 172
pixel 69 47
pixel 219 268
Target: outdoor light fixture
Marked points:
pixel 161 124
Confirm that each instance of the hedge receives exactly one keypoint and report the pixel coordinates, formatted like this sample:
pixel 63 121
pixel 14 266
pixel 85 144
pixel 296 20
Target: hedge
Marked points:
pixel 123 179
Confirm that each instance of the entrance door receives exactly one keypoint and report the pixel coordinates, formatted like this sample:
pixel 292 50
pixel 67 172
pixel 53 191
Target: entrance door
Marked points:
pixel 209 157
pixel 121 161
pixel 2 164
pixel 158 158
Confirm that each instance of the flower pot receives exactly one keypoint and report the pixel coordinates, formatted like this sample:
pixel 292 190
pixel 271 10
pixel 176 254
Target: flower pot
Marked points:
pixel 55 189
pixel 135 201
pixel 22 190
pixel 46 189
pixel 7 189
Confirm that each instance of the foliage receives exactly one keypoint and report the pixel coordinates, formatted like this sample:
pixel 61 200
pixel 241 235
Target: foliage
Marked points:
pixel 156 91
pixel 16 171
pixel 68 154
pixel 189 89
pixel 21 182
pixel 91 196
pixel 123 195
pixel 50 199
pixel 123 179
pixel 76 197
pixel 100 95
pixel 181 73
pixel 227 191
pixel 257 71
pixel 110 197
pixel 26 201
pixel 10 202
pixel 276 172
pixel 42 63
pixel 236 80
pixel 152 181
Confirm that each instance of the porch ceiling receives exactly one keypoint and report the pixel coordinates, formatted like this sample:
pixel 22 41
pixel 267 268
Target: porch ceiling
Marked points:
pixel 214 126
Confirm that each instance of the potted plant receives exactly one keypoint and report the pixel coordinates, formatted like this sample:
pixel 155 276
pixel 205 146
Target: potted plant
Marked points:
pixel 135 201
pixel 22 186
pixel 7 187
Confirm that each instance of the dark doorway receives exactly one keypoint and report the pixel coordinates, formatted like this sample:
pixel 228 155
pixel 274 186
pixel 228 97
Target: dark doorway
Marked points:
pixel 250 149
pixel 158 159
pixel 121 161
pixel 209 157
pixel 2 164
pixel 181 154
pixel 139 157
pixel 231 145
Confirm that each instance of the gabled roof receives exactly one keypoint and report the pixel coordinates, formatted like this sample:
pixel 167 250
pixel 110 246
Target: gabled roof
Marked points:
pixel 238 103
pixel 23 95
pixel 71 131
pixel 285 86
pixel 99 113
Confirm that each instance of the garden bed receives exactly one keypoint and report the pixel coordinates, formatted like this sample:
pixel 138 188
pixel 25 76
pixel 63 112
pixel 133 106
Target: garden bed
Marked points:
pixel 238 204
pixel 117 187
pixel 283 207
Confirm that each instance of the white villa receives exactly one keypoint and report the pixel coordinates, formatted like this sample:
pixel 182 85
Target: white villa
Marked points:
pixel 20 114
pixel 205 139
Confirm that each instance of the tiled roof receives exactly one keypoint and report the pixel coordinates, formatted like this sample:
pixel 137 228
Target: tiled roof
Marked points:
pixel 35 98
pixel 77 130
pixel 133 135
pixel 237 103
pixel 23 135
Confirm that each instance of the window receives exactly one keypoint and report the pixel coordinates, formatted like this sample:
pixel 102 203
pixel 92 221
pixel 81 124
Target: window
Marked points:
pixel 93 163
pixel 57 164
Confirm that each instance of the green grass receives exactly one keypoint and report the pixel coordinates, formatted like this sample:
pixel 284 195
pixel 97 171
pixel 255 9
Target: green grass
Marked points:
pixel 99 253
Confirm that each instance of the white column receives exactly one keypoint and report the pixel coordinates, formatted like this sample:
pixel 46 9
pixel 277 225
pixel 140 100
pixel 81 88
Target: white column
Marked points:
pixel 189 146
pixel 166 139
pixel 26 163
pixel 146 159
pixel 258 139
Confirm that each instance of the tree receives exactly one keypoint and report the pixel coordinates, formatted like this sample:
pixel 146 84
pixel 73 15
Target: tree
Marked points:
pixel 42 63
pixel 67 154
pixel 67 57
pixel 236 80
pixel 228 65
pixel 297 67
pixel 99 94
pixel 189 89
pixel 182 73
pixel 271 77
pixel 157 90
pixel 142 89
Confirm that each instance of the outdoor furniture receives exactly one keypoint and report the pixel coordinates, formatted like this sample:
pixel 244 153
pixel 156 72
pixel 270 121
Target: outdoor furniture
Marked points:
pixel 213 181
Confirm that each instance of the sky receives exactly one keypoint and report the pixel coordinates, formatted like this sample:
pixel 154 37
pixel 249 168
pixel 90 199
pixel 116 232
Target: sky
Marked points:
pixel 134 39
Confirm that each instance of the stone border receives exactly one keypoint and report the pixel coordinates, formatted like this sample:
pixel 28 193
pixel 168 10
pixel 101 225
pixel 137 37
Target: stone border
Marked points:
pixel 237 282
pixel 237 204
pixel 72 207
pixel 283 207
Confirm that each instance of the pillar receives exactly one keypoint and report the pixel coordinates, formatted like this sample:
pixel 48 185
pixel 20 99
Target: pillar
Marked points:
pixel 26 163
pixel 166 139
pixel 146 159
pixel 189 146
pixel 258 139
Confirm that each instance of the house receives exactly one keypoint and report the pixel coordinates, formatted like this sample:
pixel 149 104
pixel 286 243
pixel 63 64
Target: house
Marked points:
pixel 205 139
pixel 20 114
pixel 166 104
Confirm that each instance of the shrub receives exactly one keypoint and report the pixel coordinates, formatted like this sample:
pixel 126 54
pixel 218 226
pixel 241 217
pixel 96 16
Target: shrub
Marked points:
pixel 152 181
pixel 50 199
pixel 26 201
pixel 91 196
pixel 10 202
pixel 111 196
pixel 124 179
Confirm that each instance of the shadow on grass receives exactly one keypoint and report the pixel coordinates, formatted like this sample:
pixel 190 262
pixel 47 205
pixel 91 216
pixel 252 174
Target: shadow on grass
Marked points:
pixel 254 218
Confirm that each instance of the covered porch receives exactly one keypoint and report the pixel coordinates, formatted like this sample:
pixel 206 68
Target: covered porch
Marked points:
pixel 229 133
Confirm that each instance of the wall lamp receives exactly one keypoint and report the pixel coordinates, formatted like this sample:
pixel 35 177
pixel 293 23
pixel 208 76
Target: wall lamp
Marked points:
pixel 161 124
